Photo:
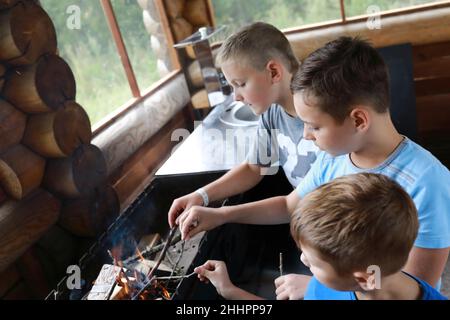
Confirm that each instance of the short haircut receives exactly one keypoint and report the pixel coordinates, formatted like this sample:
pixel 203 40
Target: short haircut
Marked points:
pixel 343 73
pixel 256 44
pixel 356 221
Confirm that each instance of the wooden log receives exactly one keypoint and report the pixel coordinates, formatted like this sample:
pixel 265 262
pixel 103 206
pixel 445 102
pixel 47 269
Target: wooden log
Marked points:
pixel 181 29
pixel 33 274
pixel 196 13
pixel 150 24
pixel 200 99
pixel 5 4
pixel 90 216
pixel 77 175
pixel 56 250
pixel 21 171
pixel 174 8
pixel 57 134
pixel 190 52
pixel 24 222
pixel 156 47
pixel 10 277
pixel 2 196
pixel 12 125
pixel 42 87
pixel 195 74
pixel 26 33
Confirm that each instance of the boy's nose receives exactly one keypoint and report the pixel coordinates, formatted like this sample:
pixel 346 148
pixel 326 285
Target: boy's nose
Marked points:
pixel 307 134
pixel 238 97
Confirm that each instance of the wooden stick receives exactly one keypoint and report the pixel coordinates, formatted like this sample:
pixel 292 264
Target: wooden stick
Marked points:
pixel 174 277
pixel 152 250
pixel 158 262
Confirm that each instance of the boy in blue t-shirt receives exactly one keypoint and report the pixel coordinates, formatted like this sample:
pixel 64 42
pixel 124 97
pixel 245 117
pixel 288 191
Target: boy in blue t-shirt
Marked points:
pixel 341 92
pixel 355 234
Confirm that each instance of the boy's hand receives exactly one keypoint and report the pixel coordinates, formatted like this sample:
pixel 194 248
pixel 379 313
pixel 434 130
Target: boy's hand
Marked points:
pixel 291 286
pixel 181 204
pixel 197 219
pixel 216 272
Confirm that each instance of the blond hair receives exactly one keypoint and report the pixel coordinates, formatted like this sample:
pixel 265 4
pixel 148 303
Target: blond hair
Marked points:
pixel 356 221
pixel 256 44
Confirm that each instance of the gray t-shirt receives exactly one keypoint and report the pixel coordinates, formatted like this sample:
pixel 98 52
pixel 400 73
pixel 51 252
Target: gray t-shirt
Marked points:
pixel 280 142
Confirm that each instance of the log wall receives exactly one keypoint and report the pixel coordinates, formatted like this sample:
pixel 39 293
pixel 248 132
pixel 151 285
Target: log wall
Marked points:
pixel 47 160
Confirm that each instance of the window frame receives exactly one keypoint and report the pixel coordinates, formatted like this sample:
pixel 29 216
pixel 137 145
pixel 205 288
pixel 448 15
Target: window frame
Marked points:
pixel 139 96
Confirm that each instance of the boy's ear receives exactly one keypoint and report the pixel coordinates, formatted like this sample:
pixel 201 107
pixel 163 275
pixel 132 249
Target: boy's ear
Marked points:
pixel 275 70
pixel 360 118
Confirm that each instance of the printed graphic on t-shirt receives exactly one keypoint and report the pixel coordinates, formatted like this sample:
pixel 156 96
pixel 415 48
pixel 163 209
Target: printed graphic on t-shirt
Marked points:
pixel 296 159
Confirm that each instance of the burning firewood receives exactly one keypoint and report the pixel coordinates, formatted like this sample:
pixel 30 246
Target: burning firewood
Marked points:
pixel 105 283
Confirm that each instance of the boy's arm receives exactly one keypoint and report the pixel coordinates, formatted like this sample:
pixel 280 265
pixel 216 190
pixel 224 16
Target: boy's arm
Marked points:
pixel 427 264
pixel 274 210
pixel 216 272
pixel 237 180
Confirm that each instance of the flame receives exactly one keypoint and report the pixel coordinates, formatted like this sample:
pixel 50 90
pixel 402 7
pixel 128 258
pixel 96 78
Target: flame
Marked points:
pixel 165 293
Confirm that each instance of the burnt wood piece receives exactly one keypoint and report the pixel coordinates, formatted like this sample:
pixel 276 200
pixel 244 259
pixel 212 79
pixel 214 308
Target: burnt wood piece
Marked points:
pixel 12 125
pixel 105 283
pixel 57 134
pixel 24 222
pixel 41 87
pixel 90 216
pixel 78 175
pixel 21 171
pixel 26 33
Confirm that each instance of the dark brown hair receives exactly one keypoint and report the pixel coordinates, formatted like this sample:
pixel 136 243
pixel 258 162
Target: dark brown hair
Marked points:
pixel 356 221
pixel 343 73
pixel 257 43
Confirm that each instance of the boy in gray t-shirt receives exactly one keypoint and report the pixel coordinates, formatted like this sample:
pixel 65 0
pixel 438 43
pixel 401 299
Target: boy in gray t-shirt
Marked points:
pixel 258 63
pixel 280 142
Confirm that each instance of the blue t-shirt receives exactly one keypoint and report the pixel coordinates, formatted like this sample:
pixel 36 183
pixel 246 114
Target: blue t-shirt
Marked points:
pixel 425 179
pixel 317 291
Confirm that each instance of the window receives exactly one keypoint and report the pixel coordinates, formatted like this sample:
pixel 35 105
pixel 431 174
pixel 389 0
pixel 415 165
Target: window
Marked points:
pixel 137 41
pixel 298 13
pixel 86 43
pixel 281 13
pixel 363 7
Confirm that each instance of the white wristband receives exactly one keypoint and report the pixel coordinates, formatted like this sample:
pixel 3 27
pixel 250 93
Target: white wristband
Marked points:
pixel 204 195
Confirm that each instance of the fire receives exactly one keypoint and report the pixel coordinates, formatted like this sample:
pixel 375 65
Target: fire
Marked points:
pixel 164 291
